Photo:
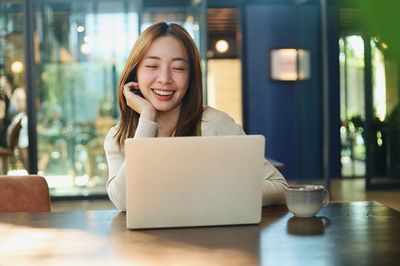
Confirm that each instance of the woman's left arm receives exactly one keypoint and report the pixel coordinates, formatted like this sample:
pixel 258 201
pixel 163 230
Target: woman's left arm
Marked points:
pixel 273 186
pixel 217 123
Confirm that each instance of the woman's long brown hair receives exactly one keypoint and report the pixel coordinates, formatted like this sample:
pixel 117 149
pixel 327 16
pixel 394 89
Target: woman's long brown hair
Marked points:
pixel 192 103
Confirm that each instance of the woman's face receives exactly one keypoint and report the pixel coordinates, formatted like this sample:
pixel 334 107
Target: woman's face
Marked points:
pixel 163 74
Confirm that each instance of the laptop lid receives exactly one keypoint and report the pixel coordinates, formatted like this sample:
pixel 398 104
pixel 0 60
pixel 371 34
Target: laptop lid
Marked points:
pixel 194 181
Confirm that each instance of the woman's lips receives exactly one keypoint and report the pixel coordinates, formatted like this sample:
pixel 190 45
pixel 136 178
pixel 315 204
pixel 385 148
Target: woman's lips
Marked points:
pixel 164 95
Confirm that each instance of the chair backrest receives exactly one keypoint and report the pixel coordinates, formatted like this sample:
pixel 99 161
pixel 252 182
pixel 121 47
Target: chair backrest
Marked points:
pixel 28 193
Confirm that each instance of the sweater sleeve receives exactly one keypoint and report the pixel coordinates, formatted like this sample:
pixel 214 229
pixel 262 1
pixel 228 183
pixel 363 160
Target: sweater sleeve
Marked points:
pixel 273 186
pixel 217 123
pixel 116 162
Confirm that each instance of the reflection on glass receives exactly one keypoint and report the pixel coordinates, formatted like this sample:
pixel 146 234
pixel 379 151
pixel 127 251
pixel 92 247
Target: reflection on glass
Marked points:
pixel 385 124
pixel 352 106
pixel 379 82
pixel 385 128
pixel 81 48
pixel 13 118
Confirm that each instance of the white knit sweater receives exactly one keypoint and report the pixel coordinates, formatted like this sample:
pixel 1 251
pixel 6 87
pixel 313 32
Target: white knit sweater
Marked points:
pixel 214 123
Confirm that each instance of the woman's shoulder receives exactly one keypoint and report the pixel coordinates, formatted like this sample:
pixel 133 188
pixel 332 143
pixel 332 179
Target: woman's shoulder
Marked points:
pixel 112 131
pixel 110 141
pixel 212 114
pixel 216 122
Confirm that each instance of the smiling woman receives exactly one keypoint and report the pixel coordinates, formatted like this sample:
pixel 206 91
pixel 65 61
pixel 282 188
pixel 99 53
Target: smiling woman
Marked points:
pixel 159 67
pixel 164 65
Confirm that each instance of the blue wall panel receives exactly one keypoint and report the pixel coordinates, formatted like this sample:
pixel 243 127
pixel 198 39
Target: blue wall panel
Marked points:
pixel 334 91
pixel 288 114
pixel 309 94
pixel 271 104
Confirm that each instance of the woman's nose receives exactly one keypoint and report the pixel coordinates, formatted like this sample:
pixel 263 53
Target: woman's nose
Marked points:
pixel 164 76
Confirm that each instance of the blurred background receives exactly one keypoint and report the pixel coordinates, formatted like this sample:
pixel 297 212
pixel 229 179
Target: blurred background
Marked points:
pixel 318 78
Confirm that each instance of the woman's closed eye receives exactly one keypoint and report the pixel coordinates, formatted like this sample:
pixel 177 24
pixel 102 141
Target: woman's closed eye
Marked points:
pixel 176 68
pixel 151 66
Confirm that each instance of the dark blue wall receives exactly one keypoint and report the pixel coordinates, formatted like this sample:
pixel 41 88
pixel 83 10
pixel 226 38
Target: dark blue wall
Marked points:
pixel 309 94
pixel 288 114
pixel 270 108
pixel 334 90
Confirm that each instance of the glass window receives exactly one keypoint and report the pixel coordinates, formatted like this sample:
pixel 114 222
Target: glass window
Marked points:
pixel 385 129
pixel 352 106
pixel 80 49
pixel 13 118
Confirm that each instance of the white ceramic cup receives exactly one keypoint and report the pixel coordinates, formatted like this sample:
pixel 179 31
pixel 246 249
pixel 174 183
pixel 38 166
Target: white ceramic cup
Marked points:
pixel 306 200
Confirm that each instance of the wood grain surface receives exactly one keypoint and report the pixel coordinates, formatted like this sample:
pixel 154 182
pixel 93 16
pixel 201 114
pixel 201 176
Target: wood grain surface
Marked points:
pixel 356 233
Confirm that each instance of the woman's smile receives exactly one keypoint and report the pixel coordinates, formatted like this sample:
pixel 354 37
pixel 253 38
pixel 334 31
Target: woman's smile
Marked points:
pixel 163 95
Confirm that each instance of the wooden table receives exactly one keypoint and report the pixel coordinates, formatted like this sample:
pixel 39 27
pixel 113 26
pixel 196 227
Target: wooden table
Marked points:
pixel 357 233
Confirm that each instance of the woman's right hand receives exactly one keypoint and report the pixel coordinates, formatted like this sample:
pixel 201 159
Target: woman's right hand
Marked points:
pixel 137 102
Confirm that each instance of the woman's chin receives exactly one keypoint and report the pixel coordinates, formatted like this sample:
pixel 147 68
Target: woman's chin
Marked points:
pixel 164 107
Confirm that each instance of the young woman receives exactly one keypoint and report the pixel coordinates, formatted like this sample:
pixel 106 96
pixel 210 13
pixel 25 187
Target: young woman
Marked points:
pixel 160 95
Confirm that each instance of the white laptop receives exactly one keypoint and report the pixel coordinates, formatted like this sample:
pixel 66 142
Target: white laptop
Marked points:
pixel 194 181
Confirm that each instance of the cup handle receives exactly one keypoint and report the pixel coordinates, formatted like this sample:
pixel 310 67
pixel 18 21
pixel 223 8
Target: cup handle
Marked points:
pixel 325 202
pixel 325 221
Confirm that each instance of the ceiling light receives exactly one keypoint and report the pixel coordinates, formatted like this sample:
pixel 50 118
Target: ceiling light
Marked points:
pixel 222 46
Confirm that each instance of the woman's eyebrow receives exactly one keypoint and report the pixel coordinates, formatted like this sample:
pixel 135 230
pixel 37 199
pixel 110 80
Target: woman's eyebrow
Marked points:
pixel 180 59
pixel 173 59
pixel 152 57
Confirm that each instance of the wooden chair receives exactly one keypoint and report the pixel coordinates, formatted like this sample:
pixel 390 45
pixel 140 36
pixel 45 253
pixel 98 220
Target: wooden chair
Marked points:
pixel 29 193
pixel 7 153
